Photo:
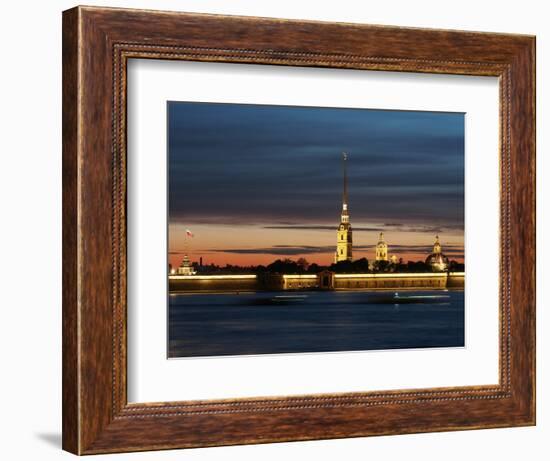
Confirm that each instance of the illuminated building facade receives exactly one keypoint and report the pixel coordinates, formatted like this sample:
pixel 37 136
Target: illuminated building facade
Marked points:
pixel 185 267
pixel 381 248
pixel 344 242
pixel 437 260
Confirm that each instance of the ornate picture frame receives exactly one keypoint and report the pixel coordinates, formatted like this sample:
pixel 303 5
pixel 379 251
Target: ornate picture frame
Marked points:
pixel 97 44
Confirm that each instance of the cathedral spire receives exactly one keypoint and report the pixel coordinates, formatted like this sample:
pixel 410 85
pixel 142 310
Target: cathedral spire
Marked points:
pixel 344 233
pixel 344 160
pixel 345 216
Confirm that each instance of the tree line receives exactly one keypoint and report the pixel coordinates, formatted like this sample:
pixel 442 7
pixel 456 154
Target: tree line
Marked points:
pixel 302 266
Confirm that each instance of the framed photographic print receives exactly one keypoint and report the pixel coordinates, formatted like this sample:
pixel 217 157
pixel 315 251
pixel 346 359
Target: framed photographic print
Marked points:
pixel 284 230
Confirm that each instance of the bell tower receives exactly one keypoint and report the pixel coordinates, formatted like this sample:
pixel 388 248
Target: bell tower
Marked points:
pixel 344 232
pixel 381 249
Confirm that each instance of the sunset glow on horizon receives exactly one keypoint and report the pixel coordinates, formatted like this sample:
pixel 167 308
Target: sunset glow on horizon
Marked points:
pixel 317 246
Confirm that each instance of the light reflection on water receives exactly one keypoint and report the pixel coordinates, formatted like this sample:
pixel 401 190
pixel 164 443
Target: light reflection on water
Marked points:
pixel 285 322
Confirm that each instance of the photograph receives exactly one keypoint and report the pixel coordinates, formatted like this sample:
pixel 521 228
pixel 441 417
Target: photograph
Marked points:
pixel 297 229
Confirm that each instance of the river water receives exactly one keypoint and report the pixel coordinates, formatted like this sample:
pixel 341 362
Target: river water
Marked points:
pixel 263 323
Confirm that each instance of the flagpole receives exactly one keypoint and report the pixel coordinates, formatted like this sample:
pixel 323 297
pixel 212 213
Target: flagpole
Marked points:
pixel 185 242
pixel 188 234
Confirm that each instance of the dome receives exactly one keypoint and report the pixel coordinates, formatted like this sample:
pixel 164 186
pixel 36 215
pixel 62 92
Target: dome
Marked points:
pixel 438 261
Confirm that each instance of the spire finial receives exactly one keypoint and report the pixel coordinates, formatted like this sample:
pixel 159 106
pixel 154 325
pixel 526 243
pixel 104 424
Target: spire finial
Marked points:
pixel 344 160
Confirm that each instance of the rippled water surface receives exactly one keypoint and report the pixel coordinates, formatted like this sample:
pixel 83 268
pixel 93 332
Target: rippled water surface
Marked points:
pixel 265 323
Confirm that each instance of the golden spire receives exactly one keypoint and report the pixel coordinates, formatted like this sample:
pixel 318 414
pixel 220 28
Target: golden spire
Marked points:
pixel 344 160
pixel 344 234
pixel 345 215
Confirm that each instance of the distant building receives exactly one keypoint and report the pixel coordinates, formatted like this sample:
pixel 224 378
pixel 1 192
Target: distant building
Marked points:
pixel 394 259
pixel 437 260
pixel 185 267
pixel 381 248
pixel 344 242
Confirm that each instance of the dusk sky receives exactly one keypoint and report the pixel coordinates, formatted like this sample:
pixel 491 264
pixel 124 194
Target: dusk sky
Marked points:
pixel 255 183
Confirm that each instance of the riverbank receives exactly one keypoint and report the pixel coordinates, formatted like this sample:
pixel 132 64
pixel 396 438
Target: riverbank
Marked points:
pixel 325 280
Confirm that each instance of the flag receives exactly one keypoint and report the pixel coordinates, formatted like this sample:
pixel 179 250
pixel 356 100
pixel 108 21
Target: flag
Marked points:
pixel 188 233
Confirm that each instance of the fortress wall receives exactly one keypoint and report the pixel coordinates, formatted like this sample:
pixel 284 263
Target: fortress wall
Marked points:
pixel 300 282
pixel 387 282
pixel 197 283
pixel 455 280
pixel 224 283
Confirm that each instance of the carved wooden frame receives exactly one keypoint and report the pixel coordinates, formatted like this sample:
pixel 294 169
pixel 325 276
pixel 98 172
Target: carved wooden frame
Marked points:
pixel 97 43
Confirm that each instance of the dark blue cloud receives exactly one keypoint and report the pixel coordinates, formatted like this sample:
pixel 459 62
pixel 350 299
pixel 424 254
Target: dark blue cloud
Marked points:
pixel 265 164
pixel 293 250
